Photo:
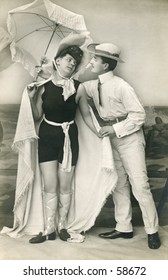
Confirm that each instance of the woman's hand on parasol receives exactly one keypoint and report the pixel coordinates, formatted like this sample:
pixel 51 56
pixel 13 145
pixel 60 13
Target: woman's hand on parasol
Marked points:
pixel 31 89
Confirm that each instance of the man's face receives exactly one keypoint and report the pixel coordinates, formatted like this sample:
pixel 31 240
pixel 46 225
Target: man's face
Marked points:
pixel 97 65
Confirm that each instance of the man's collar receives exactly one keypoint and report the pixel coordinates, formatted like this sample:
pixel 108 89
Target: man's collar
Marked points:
pixel 105 76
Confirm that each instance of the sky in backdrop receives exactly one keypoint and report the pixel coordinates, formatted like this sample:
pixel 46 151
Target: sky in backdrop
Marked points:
pixel 138 27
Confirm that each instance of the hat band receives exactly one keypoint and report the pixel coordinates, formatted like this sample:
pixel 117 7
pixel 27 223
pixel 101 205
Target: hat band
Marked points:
pixel 115 54
pixel 107 53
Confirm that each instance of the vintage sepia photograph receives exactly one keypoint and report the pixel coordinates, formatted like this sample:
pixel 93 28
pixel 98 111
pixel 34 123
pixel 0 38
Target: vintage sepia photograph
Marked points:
pixel 83 130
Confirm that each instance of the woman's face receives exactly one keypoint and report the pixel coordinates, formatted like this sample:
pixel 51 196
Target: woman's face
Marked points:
pixel 66 65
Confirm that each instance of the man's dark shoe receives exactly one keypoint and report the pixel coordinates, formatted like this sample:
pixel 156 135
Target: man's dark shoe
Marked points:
pixel 116 234
pixel 154 241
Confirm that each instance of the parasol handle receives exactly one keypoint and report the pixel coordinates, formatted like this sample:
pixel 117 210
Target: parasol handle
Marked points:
pixel 43 59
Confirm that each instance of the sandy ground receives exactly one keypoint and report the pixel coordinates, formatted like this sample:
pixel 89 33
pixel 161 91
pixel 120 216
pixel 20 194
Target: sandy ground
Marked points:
pixel 93 248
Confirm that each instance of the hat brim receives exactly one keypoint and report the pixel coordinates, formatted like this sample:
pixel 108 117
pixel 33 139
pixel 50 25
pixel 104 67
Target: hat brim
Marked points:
pixel 81 40
pixel 71 39
pixel 92 49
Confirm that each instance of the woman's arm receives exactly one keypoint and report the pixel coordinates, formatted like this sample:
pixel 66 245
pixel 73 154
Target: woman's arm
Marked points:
pixel 81 99
pixel 36 102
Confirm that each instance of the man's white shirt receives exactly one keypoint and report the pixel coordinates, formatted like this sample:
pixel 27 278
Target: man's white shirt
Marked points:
pixel 118 99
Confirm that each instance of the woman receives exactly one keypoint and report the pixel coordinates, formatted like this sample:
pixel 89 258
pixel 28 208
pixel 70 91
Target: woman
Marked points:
pixel 36 200
pixel 57 106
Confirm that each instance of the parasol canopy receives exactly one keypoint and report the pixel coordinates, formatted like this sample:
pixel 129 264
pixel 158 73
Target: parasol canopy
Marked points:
pixel 37 29
pixel 5 57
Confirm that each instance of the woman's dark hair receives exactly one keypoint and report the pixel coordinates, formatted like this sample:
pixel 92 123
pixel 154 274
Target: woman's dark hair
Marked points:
pixel 74 51
pixel 111 62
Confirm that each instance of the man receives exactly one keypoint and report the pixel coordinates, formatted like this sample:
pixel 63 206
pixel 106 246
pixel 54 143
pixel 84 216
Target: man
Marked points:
pixel 123 117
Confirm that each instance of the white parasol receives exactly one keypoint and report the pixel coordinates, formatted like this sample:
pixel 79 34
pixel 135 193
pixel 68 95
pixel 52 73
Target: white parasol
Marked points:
pixel 36 30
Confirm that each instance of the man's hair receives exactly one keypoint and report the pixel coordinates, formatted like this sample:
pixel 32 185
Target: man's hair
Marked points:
pixel 111 62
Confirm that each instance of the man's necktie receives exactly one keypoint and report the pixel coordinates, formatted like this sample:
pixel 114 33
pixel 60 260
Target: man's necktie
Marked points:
pixel 99 93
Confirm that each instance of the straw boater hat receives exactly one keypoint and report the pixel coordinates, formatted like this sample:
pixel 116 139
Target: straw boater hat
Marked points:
pixel 106 50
